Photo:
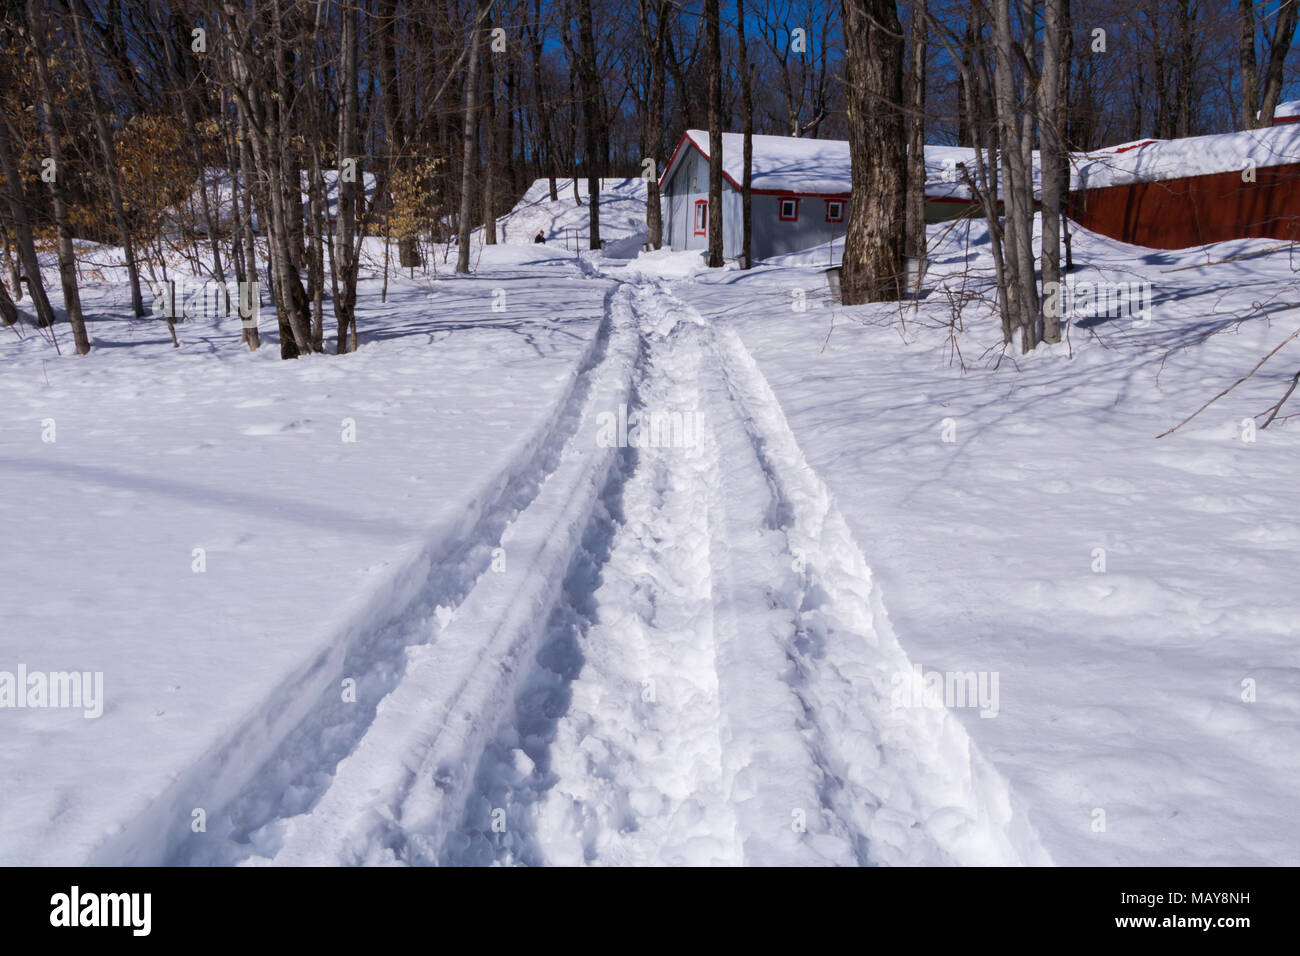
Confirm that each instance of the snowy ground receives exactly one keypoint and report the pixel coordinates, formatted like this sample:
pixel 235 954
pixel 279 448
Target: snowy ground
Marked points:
pixel 573 643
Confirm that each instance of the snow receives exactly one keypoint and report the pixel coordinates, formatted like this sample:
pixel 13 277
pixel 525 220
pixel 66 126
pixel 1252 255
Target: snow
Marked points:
pixel 1286 110
pixel 217 182
pixel 622 215
pixel 484 633
pixel 823 166
pixel 1155 160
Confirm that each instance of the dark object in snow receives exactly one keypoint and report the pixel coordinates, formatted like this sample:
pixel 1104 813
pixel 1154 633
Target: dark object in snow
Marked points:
pixel 539 237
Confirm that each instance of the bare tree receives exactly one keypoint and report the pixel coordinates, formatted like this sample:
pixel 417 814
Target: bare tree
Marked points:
pixel 1051 157
pixel 916 131
pixel 18 201
pixel 655 43
pixel 747 113
pixel 713 70
pixel 67 258
pixel 589 82
pixel 873 74
pixel 1279 44
pixel 467 151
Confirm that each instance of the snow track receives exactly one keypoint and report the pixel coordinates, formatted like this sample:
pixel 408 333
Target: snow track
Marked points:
pixel 683 661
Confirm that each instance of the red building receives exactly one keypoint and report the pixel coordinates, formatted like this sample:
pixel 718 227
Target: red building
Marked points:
pixel 1172 194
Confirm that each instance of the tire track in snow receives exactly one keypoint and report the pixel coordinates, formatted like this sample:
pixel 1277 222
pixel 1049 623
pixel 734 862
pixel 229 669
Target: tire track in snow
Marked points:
pixel 292 767
pixel 394 794
pixel 686 661
pixel 614 753
pixel 726 576
pixel 909 781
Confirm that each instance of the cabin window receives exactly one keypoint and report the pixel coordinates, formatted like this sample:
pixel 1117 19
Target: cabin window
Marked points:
pixel 789 210
pixel 701 216
pixel 834 210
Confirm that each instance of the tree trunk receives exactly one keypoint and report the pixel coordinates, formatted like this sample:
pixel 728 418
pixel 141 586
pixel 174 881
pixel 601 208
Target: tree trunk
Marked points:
pixel 17 201
pixel 591 118
pixel 467 146
pixel 1051 151
pixel 873 64
pixel 251 334
pixel 652 127
pixel 713 72
pixel 489 127
pixel 546 147
pixel 916 133
pixel 1021 290
pixel 350 176
pixel 1278 47
pixel 1249 69
pixel 747 108
pixel 67 258
pixel 110 160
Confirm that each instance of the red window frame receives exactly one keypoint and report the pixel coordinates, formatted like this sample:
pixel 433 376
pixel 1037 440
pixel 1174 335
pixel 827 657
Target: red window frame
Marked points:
pixel 701 224
pixel 839 204
pixel 780 208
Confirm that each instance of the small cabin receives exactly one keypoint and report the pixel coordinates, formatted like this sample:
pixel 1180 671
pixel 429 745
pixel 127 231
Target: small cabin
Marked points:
pixel 800 191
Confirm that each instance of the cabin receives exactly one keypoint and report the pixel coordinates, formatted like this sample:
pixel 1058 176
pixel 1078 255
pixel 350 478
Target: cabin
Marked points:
pixel 800 189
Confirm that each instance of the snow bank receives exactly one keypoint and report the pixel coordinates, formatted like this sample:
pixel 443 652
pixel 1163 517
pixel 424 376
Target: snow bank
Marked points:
pixel 622 215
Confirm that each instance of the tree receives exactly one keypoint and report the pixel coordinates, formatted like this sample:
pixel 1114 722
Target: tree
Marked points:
pixel 655 44
pixel 916 244
pixel 589 82
pixel 713 70
pixel 1020 292
pixel 873 246
pixel 67 258
pixel 349 149
pixel 747 110
pixel 1051 157
pixel 1276 49
pixel 467 150
pixel 489 145
pixel 105 138
pixel 17 201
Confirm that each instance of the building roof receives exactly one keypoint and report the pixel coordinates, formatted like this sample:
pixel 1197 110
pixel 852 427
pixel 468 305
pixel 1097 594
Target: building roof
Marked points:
pixel 789 165
pixel 1155 160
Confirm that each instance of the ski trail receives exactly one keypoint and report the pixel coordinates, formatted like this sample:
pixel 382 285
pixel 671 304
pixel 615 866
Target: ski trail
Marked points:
pixel 908 779
pixel 279 760
pixel 394 791
pixel 629 767
pixel 683 661
pixel 670 734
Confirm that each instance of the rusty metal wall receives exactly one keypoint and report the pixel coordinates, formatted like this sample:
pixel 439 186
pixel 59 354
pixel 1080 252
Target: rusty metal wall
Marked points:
pixel 1177 213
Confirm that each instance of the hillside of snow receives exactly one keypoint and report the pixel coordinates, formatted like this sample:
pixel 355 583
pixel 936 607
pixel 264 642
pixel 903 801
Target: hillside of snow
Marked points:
pixel 565 222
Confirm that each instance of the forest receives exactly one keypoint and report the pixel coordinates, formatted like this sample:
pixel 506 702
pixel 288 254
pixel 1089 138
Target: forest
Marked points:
pixel 269 139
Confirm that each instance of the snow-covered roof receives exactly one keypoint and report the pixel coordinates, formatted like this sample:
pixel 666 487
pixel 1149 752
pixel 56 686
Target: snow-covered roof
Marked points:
pixel 782 163
pixel 1289 109
pixel 1159 159
pixel 789 164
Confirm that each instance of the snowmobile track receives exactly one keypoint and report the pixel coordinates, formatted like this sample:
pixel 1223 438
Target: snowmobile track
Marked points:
pixel 684 660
